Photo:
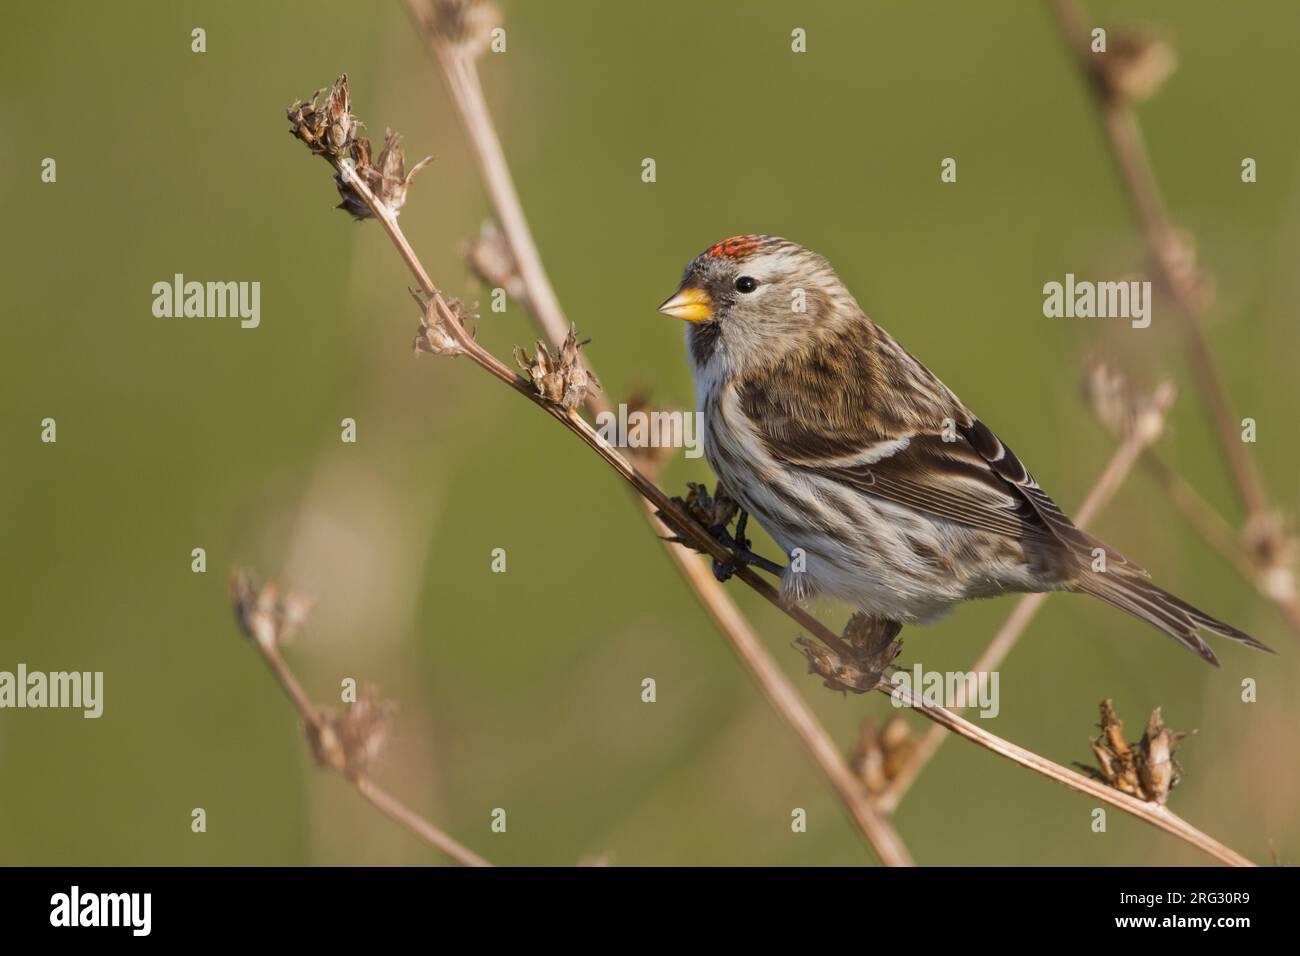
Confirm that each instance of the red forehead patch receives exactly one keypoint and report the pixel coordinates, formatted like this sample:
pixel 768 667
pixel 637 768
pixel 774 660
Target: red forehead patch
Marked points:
pixel 737 247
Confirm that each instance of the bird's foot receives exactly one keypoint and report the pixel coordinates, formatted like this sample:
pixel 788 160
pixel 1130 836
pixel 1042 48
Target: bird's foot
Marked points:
pixel 714 513
pixel 741 556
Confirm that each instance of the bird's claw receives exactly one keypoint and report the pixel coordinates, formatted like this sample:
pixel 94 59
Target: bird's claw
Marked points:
pixel 723 570
pixel 740 557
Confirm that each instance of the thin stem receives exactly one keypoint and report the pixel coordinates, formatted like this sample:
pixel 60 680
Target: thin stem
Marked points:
pixel 393 808
pixel 403 815
pixel 1273 577
pixel 462 80
pixel 1124 135
pixel 1152 813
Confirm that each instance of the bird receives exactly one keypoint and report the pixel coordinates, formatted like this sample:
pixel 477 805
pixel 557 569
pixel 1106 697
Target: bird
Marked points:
pixel 860 463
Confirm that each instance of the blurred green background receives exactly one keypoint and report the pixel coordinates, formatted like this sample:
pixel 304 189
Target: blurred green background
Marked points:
pixel 522 690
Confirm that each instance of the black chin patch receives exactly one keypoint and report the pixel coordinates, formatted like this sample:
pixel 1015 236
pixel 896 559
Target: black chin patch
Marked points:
pixel 705 337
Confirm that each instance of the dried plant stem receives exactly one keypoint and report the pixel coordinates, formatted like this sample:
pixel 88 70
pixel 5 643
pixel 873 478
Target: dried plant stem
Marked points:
pixel 404 816
pixel 1124 135
pixel 461 78
pixel 1121 462
pixel 385 802
pixel 699 538
pixel 1275 579
pixel 1152 813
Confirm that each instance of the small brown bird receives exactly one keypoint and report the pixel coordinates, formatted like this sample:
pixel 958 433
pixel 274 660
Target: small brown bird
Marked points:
pixel 882 487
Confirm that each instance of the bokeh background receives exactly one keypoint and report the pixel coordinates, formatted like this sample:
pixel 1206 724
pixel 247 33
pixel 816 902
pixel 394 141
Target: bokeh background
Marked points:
pixel 522 690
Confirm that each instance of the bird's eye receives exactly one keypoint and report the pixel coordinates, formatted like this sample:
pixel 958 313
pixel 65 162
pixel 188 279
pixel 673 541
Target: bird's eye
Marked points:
pixel 746 284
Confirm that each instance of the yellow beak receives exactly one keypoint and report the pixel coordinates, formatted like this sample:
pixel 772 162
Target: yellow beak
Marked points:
pixel 693 305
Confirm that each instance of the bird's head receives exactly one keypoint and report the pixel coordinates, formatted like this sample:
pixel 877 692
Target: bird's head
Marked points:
pixel 753 295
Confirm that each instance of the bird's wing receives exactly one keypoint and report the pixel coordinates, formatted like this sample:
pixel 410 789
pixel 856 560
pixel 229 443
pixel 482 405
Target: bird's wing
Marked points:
pixel 945 478
pixel 1004 463
pixel 891 429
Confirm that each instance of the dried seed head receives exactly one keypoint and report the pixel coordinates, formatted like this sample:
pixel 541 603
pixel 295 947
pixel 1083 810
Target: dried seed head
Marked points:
pixel 1121 407
pixel 874 636
pixel 1117 760
pixel 1137 62
pixel 350 742
pixel 1147 769
pixel 1157 768
pixel 576 377
pixel 385 178
pixel 710 510
pixel 330 130
pixel 872 647
pixel 489 257
pixel 836 672
pixel 393 178
pixel 264 613
pixel 1151 411
pixel 434 336
pixel 356 164
pixel 1112 730
pixel 1108 391
pixel 1110 772
pixel 561 379
pixel 342 124
pixel 1272 550
pixel 881 752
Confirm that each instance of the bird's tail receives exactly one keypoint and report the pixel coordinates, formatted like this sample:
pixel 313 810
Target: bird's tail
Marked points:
pixel 1144 600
